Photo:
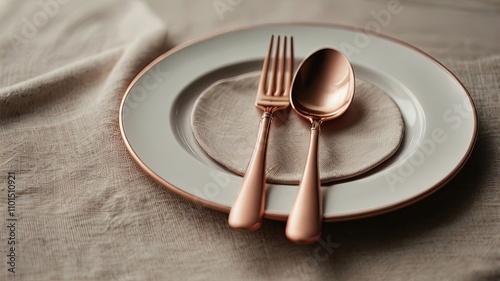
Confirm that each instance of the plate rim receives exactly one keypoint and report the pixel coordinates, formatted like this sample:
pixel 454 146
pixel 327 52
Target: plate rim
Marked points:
pixel 281 217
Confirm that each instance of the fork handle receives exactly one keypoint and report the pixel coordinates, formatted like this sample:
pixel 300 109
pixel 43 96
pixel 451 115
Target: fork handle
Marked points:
pixel 305 218
pixel 248 209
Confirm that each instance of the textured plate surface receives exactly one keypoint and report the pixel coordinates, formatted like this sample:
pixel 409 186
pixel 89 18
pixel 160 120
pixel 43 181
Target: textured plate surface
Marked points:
pixel 225 123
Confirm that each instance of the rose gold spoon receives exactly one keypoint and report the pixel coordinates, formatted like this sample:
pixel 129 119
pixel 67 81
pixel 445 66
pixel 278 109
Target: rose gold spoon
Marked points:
pixel 323 88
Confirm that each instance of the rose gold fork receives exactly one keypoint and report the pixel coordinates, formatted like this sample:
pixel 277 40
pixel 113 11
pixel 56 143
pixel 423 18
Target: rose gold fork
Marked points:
pixel 248 209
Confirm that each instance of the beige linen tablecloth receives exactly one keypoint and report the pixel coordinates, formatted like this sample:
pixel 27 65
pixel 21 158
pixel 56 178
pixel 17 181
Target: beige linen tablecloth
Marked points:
pixel 85 211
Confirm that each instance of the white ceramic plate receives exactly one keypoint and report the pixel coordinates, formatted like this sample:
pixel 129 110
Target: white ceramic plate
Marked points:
pixel 439 116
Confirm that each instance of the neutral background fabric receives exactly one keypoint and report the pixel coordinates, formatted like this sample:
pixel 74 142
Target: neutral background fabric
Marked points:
pixel 225 122
pixel 86 211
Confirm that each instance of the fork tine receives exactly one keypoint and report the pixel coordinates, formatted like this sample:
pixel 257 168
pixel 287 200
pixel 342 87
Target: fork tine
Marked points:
pixel 265 67
pixel 272 85
pixel 289 71
pixel 281 70
pixel 276 77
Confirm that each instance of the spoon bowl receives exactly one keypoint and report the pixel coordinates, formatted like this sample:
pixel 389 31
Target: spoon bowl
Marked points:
pixel 323 88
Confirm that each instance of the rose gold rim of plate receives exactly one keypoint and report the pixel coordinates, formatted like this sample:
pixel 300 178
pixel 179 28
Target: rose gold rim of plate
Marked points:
pixel 283 217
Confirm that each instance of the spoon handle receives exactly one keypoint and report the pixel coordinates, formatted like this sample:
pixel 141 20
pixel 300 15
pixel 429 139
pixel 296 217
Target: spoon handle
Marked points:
pixel 248 209
pixel 305 218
